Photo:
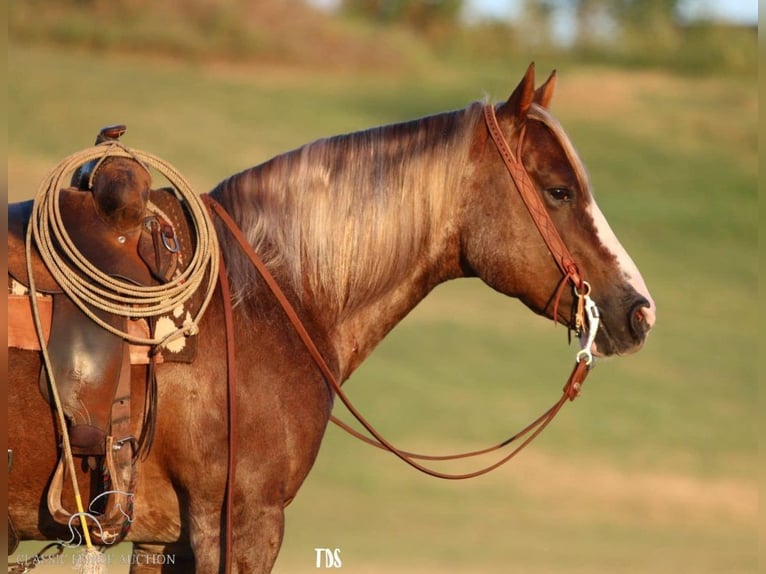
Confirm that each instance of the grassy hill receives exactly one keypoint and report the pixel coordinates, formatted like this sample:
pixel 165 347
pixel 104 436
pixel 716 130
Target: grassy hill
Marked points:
pixel 652 470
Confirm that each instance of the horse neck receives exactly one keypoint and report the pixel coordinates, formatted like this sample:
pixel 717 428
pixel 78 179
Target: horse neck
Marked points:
pixel 359 234
pixel 355 335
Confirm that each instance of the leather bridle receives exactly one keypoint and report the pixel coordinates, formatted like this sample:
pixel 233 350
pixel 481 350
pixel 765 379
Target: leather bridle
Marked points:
pixel 586 310
pixel 531 197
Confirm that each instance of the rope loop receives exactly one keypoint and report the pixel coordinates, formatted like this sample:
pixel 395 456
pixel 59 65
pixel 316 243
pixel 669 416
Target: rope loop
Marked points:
pixel 89 287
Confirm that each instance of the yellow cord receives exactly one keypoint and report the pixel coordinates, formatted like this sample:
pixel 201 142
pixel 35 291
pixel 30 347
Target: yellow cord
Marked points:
pixel 83 524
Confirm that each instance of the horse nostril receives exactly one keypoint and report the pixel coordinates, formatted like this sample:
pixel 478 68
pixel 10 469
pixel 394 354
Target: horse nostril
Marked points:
pixel 641 318
pixel 649 314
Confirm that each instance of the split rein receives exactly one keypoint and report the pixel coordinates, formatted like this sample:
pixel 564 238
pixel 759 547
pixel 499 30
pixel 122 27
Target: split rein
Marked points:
pixel 586 310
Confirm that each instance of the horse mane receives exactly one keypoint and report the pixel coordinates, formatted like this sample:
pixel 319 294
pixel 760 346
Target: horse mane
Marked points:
pixel 343 217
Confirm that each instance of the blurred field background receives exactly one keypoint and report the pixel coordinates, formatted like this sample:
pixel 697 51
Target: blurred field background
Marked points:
pixel 653 469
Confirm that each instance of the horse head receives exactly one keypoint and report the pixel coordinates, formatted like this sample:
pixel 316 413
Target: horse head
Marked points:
pixel 511 255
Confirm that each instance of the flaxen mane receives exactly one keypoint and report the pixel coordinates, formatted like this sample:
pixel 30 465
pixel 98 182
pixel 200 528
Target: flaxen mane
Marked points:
pixel 343 216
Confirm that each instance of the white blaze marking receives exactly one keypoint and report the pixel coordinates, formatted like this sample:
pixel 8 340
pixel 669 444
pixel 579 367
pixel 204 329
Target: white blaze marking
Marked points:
pixel 626 264
pixel 605 233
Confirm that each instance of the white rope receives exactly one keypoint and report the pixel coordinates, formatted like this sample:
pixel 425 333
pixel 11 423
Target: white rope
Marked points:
pixel 88 286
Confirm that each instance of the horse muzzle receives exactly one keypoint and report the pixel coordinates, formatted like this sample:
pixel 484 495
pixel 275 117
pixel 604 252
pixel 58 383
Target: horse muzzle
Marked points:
pixel 624 332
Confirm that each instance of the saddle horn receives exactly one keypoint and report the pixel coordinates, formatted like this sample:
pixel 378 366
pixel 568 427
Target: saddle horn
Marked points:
pixel 81 176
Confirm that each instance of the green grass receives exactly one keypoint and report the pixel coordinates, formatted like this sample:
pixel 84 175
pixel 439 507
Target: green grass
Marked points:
pixel 651 470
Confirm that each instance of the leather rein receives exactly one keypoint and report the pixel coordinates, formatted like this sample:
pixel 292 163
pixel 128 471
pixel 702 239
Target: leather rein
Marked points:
pixel 586 310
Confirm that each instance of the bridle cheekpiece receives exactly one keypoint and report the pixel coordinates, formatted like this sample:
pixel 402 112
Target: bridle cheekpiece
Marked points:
pixel 586 309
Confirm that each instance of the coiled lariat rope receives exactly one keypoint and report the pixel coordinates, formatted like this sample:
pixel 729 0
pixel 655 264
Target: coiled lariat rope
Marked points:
pixel 88 286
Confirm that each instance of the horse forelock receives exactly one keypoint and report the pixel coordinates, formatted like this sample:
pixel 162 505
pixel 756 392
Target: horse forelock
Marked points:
pixel 542 115
pixel 343 218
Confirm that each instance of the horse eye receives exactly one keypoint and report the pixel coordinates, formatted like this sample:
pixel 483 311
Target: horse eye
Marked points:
pixel 560 193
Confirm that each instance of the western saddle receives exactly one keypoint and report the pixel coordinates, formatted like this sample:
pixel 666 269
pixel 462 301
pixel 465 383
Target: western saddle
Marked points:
pixel 137 235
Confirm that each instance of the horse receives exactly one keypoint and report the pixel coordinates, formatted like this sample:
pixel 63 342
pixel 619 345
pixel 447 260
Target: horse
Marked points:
pixel 356 229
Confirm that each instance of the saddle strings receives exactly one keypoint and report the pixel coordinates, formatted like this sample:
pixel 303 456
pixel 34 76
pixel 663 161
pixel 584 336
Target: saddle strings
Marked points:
pixel 88 286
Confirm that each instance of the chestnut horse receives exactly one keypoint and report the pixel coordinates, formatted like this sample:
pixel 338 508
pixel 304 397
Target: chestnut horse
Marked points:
pixel 357 229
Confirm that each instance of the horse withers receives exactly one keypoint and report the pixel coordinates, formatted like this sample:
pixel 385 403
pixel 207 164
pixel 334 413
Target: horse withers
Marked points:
pixel 357 229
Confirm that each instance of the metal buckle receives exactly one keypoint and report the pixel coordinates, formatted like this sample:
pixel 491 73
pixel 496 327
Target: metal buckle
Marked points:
pixel 117 444
pixel 167 236
pixel 594 319
pixel 169 241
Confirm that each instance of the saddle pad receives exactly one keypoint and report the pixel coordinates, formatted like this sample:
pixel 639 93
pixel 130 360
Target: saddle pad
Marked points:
pixel 21 328
pixel 23 335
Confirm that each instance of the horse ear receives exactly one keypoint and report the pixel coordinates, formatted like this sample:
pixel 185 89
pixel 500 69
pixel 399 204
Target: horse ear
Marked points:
pixel 544 93
pixel 523 96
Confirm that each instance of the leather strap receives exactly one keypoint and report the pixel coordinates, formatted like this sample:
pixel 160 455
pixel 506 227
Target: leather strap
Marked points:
pixel 231 389
pixel 570 392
